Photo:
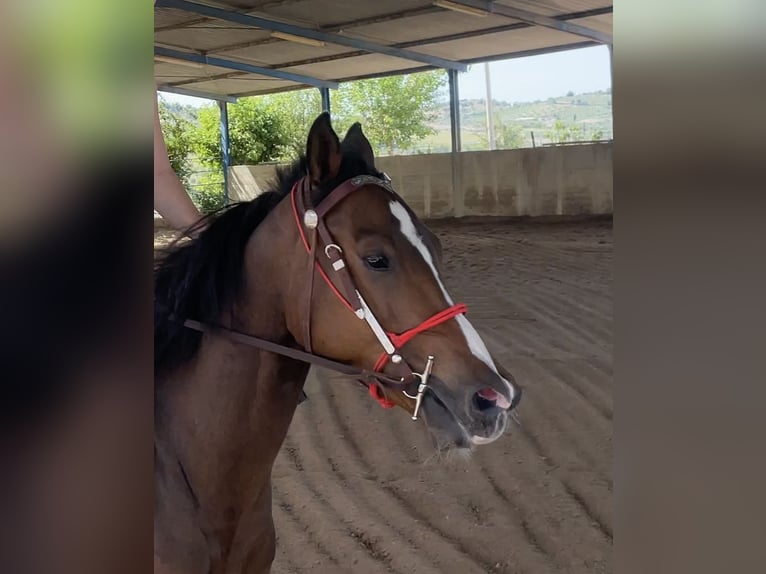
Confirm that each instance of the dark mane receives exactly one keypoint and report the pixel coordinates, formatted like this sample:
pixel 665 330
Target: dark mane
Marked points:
pixel 199 279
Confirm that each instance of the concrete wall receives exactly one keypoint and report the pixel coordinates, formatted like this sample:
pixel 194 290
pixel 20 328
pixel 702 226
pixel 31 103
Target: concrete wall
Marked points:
pixel 560 180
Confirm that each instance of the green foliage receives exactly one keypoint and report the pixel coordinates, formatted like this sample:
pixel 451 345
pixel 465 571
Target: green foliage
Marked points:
pixel 562 132
pixel 395 111
pixel 207 192
pixel 177 130
pixel 593 113
pixel 297 111
pixel 257 133
pixel 261 129
pixel 509 136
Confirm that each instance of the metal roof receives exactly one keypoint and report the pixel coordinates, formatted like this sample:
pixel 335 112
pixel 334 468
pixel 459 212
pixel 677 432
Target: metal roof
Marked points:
pixel 248 47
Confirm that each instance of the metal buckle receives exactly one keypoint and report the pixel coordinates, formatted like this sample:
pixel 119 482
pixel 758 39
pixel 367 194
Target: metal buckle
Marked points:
pixel 421 387
pixel 310 219
pixel 332 246
pixel 339 263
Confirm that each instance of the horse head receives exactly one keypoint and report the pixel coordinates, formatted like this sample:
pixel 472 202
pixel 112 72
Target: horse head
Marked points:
pixel 393 264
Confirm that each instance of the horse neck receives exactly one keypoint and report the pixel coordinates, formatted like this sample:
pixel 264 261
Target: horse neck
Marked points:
pixel 225 414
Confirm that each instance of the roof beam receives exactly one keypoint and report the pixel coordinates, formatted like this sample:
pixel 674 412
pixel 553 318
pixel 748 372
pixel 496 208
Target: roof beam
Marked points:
pixel 197 94
pixel 479 60
pixel 275 26
pixel 423 42
pixel 452 37
pixel 242 67
pixel 432 40
pixel 536 19
pixel 337 27
pixel 535 52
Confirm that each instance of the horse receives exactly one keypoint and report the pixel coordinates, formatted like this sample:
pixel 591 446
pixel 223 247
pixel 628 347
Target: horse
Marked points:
pixel 308 272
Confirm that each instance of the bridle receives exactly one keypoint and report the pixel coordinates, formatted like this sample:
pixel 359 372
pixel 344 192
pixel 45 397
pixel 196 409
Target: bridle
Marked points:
pixel 318 242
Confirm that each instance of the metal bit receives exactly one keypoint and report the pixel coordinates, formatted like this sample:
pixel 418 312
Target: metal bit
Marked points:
pixel 422 386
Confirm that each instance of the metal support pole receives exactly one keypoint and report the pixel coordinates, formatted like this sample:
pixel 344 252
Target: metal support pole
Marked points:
pixel 325 92
pixel 611 68
pixel 489 108
pixel 611 86
pixel 225 149
pixel 454 109
pixel 458 200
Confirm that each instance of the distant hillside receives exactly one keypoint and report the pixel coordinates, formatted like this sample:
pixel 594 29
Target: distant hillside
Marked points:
pixel 591 113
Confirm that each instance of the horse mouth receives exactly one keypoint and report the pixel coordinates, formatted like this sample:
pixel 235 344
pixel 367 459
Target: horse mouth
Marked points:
pixel 451 429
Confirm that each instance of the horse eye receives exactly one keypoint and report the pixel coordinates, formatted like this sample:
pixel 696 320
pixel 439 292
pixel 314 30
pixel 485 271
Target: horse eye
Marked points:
pixel 376 262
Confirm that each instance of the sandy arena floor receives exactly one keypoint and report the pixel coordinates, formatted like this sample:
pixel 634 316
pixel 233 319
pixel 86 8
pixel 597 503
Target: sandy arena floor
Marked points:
pixel 356 488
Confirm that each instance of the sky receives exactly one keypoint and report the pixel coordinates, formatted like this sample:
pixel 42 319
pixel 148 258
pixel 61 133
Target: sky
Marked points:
pixel 540 77
pixel 522 79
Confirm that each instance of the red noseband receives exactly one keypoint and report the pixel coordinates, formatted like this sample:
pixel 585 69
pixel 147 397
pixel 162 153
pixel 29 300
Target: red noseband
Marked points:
pixel 401 339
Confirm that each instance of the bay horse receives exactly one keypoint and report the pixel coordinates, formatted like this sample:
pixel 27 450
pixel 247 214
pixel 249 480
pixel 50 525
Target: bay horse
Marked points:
pixel 330 267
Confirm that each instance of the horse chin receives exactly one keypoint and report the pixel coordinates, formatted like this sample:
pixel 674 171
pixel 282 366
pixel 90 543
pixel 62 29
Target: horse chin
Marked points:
pixel 500 426
pixel 448 432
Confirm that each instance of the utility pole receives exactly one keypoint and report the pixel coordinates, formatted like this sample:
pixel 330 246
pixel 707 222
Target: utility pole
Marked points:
pixel 490 109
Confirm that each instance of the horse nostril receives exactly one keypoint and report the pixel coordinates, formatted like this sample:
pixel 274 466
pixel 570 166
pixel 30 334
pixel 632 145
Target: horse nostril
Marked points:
pixel 482 404
pixel 485 399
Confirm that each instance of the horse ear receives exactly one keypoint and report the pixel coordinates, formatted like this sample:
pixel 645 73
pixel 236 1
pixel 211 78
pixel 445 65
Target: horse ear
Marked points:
pixel 323 150
pixel 356 141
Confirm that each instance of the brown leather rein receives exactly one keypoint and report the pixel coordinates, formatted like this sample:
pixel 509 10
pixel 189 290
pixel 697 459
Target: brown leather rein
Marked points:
pixel 361 374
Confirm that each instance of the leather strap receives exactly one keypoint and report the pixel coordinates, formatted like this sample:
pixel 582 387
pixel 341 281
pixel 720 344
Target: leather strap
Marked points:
pixel 340 270
pixel 362 375
pixel 346 188
pixel 339 276
pixel 310 288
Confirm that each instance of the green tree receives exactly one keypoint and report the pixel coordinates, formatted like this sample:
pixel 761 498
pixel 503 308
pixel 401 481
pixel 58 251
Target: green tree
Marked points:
pixel 509 136
pixel 261 129
pixel 177 131
pixel 257 133
pixel 394 111
pixel 562 132
pixel 297 111
pixel 207 191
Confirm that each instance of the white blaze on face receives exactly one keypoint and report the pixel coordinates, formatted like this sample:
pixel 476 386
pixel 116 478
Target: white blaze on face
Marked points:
pixel 475 344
